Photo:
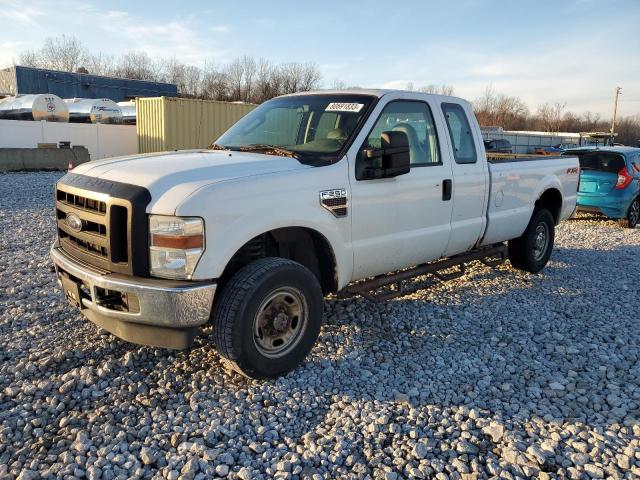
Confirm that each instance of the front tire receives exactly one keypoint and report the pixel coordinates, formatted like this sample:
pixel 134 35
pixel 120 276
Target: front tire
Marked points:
pixel 633 215
pixel 268 317
pixel 532 250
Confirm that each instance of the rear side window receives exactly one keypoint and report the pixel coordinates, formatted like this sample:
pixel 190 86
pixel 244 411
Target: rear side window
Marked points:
pixel 464 150
pixel 602 162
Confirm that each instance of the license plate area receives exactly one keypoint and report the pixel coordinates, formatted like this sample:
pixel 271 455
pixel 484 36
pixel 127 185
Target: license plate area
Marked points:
pixel 588 187
pixel 72 289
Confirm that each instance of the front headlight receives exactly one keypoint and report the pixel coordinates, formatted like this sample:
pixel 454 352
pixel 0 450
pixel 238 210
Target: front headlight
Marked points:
pixel 175 245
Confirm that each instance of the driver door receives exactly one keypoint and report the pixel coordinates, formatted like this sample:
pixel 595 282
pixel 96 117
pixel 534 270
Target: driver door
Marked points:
pixel 405 220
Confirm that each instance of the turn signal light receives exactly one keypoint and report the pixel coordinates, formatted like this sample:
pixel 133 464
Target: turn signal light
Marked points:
pixel 177 241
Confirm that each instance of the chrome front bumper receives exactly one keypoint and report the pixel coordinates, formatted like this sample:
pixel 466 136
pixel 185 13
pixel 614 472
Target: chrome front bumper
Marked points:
pixel 162 313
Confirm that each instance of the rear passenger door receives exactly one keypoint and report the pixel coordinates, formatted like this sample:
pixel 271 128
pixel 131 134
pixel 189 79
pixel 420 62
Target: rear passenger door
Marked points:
pixel 470 177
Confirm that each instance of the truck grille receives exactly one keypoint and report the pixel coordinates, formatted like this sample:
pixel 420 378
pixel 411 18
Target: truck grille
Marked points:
pixel 81 202
pixel 99 228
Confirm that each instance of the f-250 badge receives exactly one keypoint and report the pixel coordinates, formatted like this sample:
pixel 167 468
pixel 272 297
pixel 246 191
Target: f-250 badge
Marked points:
pixel 335 201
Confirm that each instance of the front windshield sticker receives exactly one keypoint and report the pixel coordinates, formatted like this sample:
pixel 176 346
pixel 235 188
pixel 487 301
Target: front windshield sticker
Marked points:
pixel 344 107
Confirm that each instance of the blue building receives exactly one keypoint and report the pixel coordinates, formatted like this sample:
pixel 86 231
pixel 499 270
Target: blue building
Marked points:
pixel 19 80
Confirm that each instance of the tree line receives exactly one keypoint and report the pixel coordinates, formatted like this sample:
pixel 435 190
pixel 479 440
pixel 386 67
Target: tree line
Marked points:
pixel 244 79
pixel 511 113
pixel 247 79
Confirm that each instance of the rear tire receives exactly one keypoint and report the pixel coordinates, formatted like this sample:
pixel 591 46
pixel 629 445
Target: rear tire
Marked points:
pixel 532 250
pixel 268 317
pixel 633 215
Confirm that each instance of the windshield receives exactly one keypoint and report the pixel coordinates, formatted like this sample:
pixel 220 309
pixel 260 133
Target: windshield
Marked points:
pixel 311 128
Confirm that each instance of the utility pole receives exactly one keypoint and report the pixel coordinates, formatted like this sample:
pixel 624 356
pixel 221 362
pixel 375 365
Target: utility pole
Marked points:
pixel 615 112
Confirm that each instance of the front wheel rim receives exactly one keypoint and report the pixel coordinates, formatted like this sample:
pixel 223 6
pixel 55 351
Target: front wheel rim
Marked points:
pixel 280 322
pixel 540 241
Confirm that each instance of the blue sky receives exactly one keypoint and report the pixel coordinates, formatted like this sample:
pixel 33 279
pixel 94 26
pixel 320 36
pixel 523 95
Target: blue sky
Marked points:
pixel 574 51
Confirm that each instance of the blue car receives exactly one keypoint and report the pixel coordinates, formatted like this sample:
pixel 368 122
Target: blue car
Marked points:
pixel 610 182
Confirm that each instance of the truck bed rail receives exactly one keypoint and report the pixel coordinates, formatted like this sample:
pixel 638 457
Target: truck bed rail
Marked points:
pixel 519 157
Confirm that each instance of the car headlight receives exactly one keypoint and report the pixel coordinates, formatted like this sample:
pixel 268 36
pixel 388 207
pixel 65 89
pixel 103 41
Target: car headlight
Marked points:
pixel 175 245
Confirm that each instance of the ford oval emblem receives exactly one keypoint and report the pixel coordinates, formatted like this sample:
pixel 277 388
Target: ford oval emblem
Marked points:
pixel 74 222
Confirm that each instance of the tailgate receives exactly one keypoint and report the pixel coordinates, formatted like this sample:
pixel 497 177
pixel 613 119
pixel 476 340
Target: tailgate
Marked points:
pixel 596 183
pixel 599 172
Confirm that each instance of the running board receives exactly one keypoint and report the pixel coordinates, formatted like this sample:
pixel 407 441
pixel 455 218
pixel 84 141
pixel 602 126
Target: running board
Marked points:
pixel 374 288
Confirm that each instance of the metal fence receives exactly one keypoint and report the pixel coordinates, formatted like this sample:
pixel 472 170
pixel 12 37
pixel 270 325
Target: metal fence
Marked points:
pixel 527 142
pixel 166 123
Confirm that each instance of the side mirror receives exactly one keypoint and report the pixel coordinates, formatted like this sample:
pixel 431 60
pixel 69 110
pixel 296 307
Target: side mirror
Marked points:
pixel 394 155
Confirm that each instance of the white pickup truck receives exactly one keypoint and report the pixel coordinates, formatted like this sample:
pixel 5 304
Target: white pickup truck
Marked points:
pixel 309 194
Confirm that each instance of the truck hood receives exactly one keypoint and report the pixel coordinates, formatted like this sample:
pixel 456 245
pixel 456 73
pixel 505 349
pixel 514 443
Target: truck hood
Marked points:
pixel 171 177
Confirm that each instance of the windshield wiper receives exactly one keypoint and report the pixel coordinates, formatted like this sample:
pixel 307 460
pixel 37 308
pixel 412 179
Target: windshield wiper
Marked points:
pixel 268 149
pixel 215 146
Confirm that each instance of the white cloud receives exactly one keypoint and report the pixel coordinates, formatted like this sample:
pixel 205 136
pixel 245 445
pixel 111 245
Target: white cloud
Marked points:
pixel 492 70
pixel 13 11
pixel 579 69
pixel 112 31
pixel 220 29
pixel 116 15
pixel 399 84
pixel 9 53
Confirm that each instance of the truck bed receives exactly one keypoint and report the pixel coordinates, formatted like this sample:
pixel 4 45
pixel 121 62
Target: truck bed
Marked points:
pixel 516 183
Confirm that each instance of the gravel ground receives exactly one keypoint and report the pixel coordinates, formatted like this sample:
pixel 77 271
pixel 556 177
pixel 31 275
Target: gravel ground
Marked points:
pixel 498 374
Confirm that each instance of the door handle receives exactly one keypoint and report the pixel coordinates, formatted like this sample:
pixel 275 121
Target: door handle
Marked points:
pixel 447 186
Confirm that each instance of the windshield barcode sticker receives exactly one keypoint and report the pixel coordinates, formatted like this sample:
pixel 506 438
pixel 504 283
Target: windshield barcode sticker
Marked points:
pixel 344 107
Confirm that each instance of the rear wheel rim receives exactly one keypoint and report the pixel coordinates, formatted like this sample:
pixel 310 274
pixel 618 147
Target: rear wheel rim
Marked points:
pixel 634 213
pixel 540 241
pixel 280 322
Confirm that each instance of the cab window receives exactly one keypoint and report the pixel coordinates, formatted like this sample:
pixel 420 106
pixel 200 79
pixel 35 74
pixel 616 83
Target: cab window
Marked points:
pixel 464 150
pixel 415 120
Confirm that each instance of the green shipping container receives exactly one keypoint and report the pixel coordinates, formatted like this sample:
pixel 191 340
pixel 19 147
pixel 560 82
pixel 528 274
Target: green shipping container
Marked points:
pixel 169 123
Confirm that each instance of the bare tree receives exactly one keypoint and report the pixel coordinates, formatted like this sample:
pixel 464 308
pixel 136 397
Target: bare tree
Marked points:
pixel 338 85
pixel 30 58
pixel 60 53
pixel 570 122
pixel 628 130
pixel 494 109
pixel 550 116
pixel 310 77
pixel 100 64
pixel 215 85
pixel 235 77
pixel 249 68
pixel 138 66
pixel 267 82
pixel 591 121
pixel 439 90
pixel 290 77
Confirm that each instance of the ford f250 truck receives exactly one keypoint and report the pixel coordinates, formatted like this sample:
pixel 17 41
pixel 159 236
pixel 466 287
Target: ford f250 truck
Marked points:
pixel 309 194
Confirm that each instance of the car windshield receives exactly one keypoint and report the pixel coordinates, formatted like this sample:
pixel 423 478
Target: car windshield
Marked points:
pixel 312 128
